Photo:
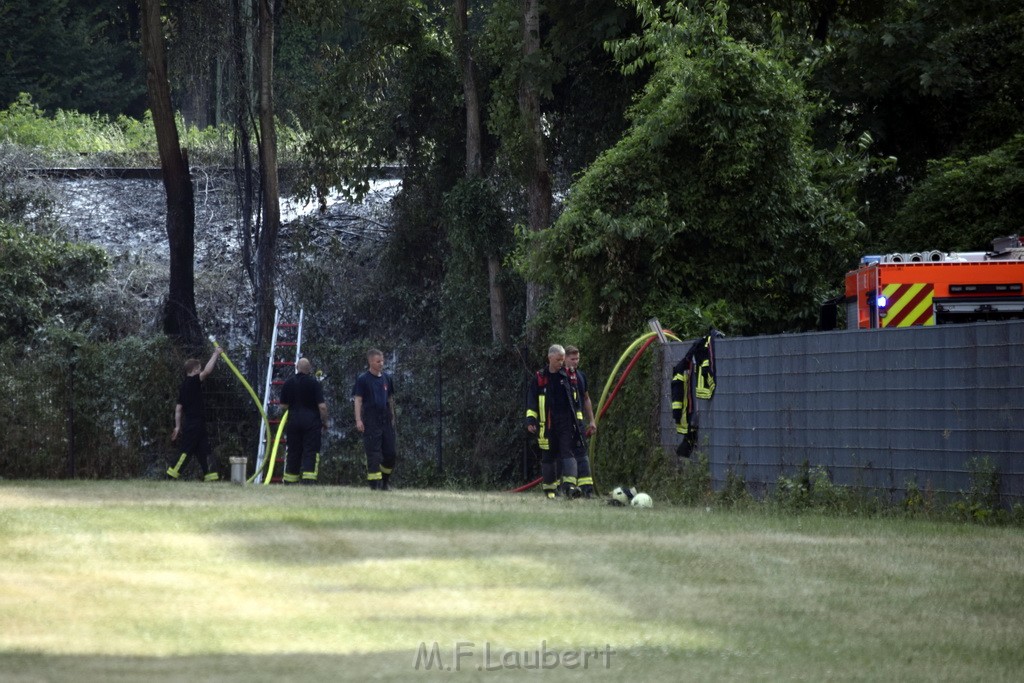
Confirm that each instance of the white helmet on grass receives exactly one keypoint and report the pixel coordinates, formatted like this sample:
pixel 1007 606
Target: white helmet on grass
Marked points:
pixel 622 495
pixel 642 500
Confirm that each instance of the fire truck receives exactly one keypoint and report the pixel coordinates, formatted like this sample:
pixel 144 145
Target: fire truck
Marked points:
pixel 934 287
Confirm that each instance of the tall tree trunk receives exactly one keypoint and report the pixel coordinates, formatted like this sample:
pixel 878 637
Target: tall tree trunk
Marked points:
pixel 538 184
pixel 266 248
pixel 180 319
pixel 474 164
pixel 244 174
pixel 243 27
pixel 822 13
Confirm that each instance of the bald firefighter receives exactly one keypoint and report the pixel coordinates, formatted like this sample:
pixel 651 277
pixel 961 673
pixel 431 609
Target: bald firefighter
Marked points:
pixel 551 417
pixel 303 398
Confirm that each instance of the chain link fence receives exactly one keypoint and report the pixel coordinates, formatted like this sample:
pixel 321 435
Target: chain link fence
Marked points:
pixel 96 411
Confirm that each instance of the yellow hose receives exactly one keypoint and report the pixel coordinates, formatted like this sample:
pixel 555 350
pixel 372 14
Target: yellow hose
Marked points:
pixel 273 451
pixel 248 387
pixel 245 383
pixel 611 377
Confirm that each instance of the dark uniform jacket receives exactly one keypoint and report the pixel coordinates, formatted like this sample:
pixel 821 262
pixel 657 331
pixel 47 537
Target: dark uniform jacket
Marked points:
pixel 550 402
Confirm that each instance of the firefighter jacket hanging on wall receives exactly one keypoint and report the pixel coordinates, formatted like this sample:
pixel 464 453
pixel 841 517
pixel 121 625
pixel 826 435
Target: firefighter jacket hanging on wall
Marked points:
pixel 693 377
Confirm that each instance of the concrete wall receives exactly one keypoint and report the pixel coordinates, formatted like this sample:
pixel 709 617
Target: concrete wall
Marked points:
pixel 876 407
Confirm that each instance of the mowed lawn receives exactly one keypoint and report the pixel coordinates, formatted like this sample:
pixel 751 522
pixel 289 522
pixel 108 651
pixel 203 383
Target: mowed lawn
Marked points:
pixel 141 580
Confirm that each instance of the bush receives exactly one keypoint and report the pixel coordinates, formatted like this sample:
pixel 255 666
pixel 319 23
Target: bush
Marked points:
pixel 813 489
pixel 981 502
pixel 694 480
pixel 734 490
pixel 42 278
pixel 72 409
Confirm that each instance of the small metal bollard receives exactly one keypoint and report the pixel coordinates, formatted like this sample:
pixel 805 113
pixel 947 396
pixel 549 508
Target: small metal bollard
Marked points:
pixel 238 466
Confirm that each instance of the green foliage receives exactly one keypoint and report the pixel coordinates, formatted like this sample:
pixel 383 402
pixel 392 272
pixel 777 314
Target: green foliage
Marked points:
pixel 74 389
pixel 793 494
pixel 950 87
pixel 72 55
pixel 624 452
pixel 500 55
pixel 980 504
pixel 709 198
pixel 812 489
pixel 928 80
pixel 386 91
pixel 734 490
pixel 963 204
pixel 694 480
pixel 476 229
pixel 72 138
pixel 25 123
pixel 42 279
pixel 918 501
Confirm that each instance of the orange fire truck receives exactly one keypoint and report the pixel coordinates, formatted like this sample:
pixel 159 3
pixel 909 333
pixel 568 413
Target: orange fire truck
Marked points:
pixel 930 288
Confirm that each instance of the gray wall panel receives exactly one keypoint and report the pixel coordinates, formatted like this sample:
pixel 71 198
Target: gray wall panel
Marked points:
pixel 877 407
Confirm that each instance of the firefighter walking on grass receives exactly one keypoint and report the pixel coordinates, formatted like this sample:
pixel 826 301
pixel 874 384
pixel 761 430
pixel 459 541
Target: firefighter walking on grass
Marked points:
pixel 551 417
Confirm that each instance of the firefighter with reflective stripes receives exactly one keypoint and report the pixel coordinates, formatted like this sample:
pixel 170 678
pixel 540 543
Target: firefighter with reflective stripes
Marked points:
pixel 373 399
pixel 584 417
pixel 303 398
pixel 551 416
pixel 190 421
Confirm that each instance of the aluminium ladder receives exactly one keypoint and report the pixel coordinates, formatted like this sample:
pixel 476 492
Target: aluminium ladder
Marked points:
pixel 286 339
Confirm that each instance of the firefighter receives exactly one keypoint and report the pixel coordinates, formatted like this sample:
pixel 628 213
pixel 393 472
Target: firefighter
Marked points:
pixel 584 410
pixel 551 417
pixel 373 398
pixel 303 398
pixel 190 420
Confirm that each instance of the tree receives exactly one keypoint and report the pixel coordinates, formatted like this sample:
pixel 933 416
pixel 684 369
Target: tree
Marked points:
pixel 708 210
pixel 474 166
pixel 538 177
pixel 387 95
pixel 266 248
pixel 71 55
pixel 963 204
pixel 927 80
pixel 180 319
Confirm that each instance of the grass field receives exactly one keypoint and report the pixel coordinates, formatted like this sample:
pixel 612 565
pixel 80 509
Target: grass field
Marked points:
pixel 131 581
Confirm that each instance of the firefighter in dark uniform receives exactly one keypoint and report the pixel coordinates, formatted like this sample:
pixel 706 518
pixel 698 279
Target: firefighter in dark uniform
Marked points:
pixel 190 422
pixel 373 399
pixel 303 398
pixel 551 416
pixel 585 418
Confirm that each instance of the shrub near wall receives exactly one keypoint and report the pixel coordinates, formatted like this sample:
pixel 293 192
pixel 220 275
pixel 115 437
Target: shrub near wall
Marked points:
pixel 97 409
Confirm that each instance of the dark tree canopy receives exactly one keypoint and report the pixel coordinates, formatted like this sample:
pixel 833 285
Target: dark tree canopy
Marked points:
pixel 72 55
